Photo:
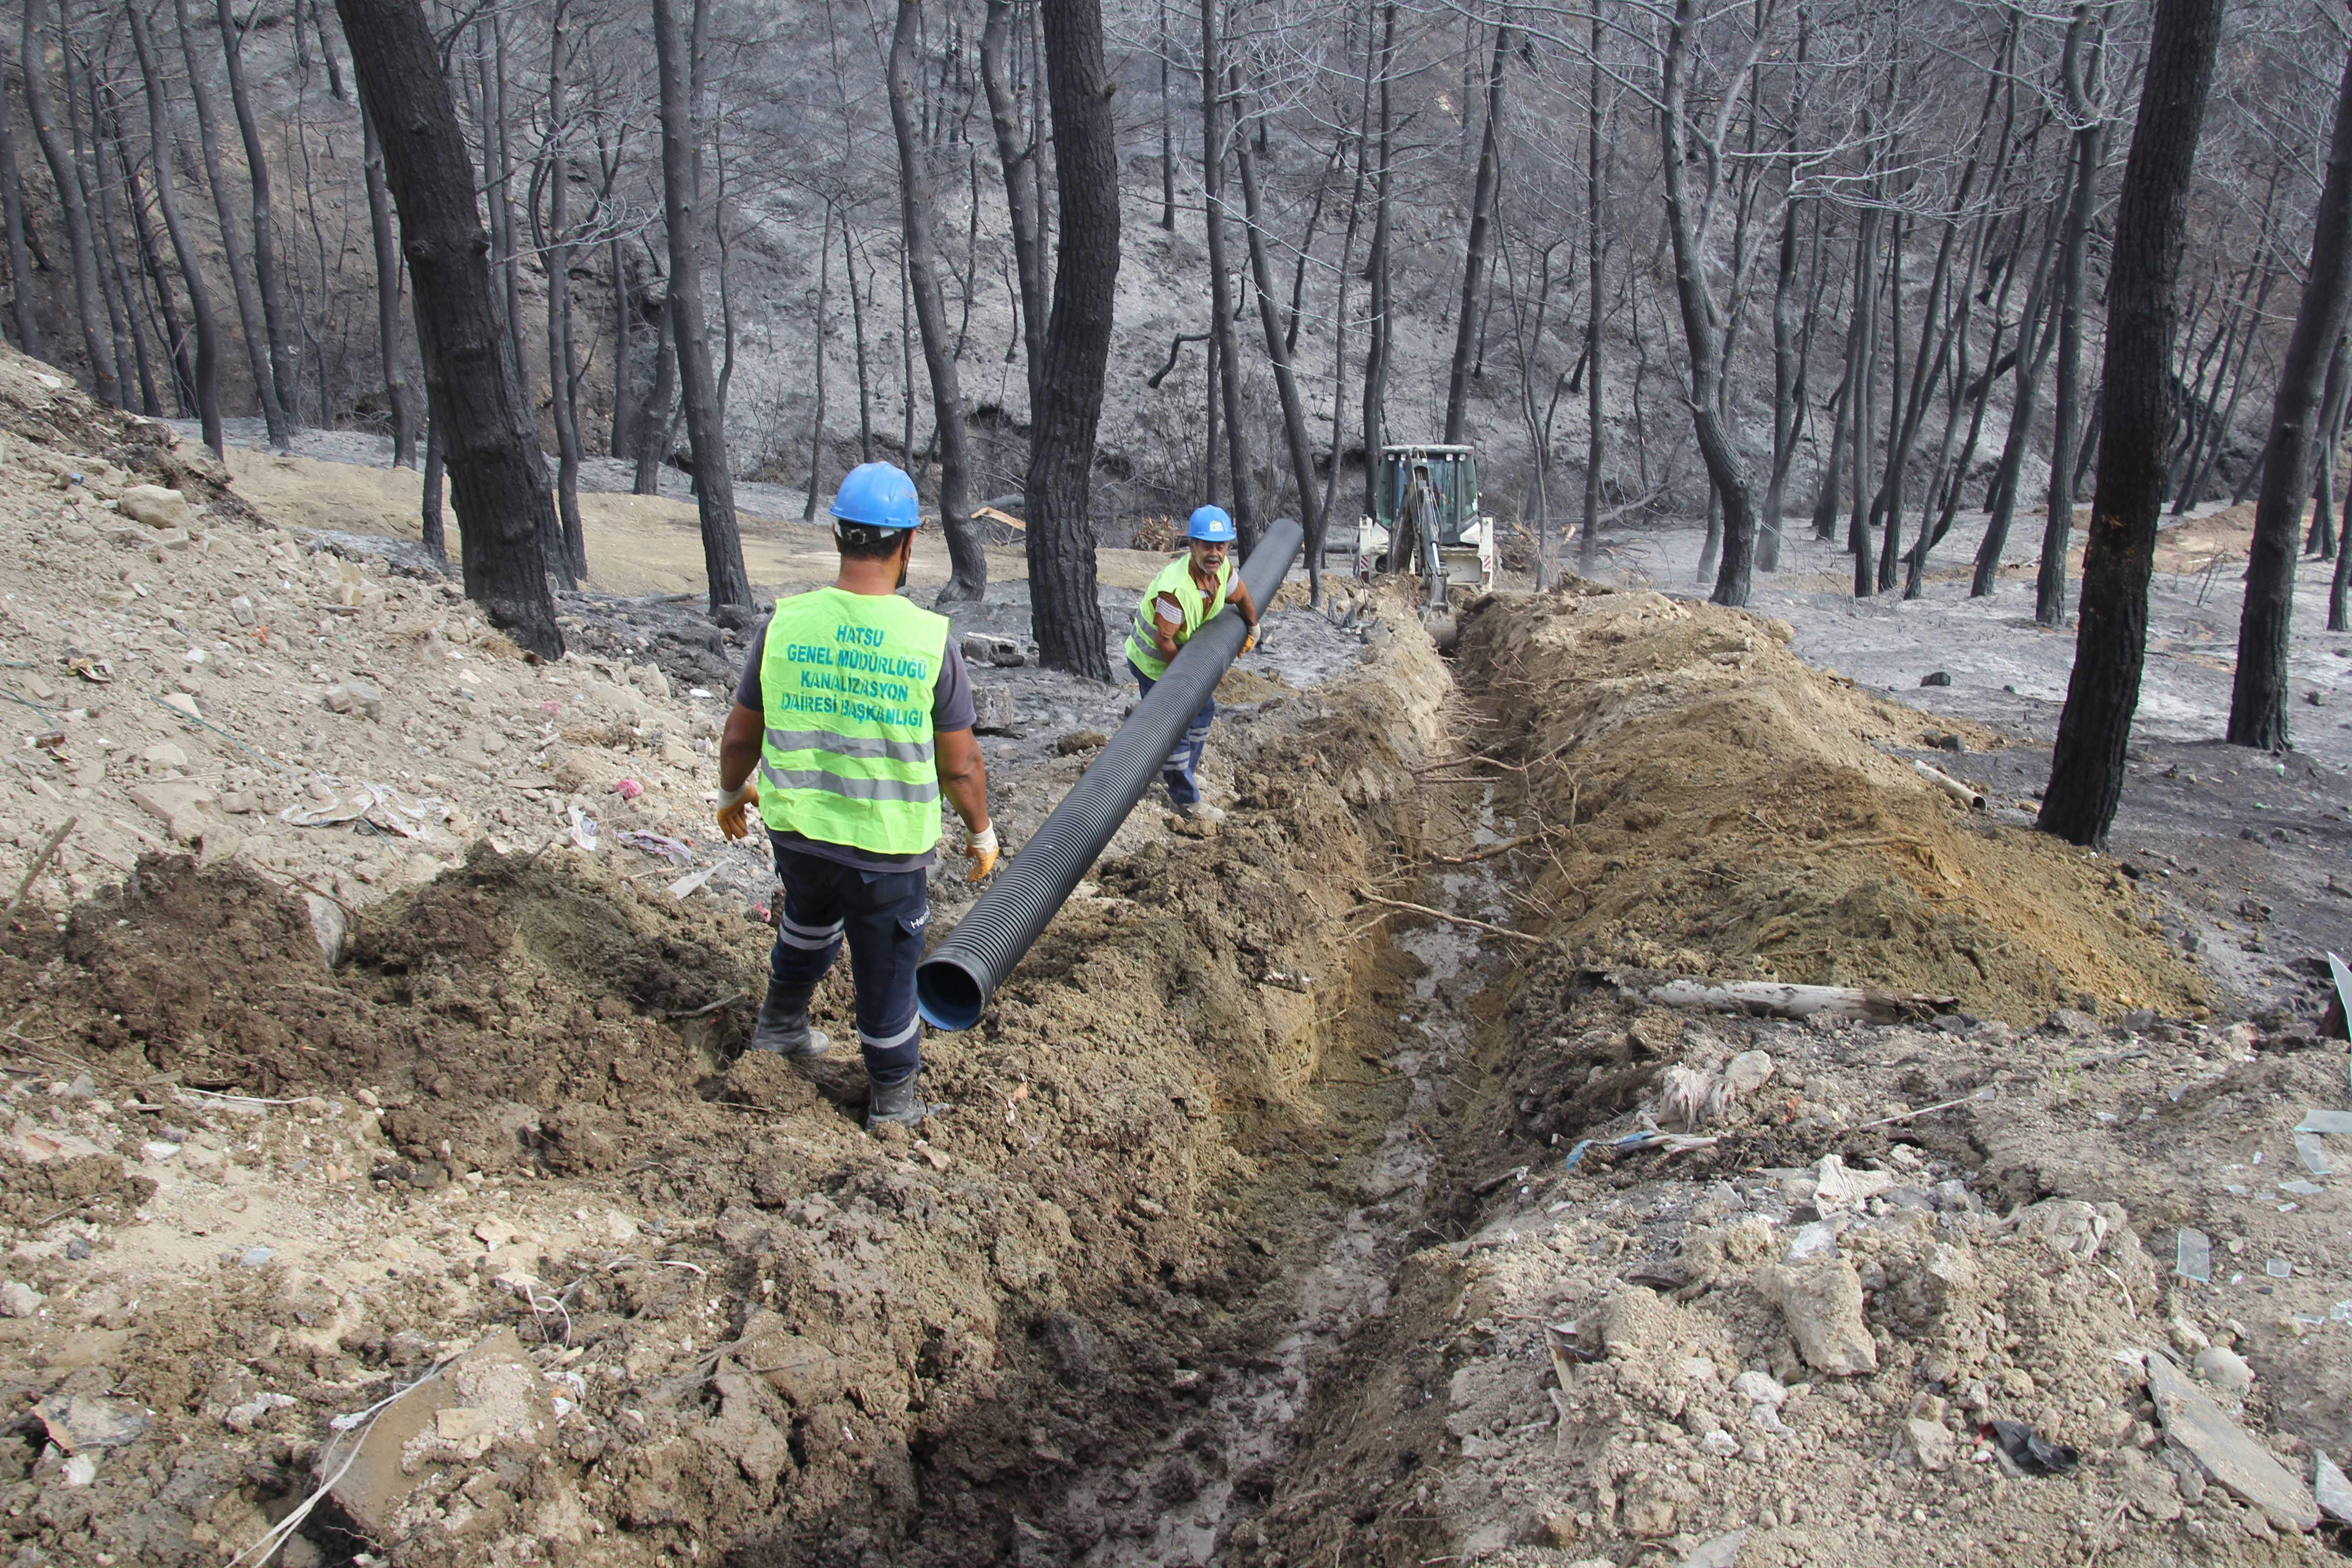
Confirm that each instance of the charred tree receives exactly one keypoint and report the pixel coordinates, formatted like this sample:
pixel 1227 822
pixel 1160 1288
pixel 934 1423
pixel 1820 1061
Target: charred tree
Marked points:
pixel 497 474
pixel 1701 325
pixel 714 487
pixel 2258 693
pixel 967 560
pixel 1482 223
pixel 563 371
pixel 1378 328
pixel 23 311
pixel 1277 353
pixel 1014 156
pixel 385 236
pixel 1227 379
pixel 1066 614
pixel 2073 264
pixel 184 248
pixel 89 305
pixel 267 275
pixel 2137 420
pixel 234 257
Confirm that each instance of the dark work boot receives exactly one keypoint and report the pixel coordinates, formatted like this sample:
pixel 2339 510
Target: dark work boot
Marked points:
pixel 783 1028
pixel 898 1103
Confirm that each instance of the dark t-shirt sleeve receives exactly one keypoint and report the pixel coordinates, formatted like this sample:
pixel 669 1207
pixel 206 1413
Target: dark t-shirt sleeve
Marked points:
pixel 747 690
pixel 952 706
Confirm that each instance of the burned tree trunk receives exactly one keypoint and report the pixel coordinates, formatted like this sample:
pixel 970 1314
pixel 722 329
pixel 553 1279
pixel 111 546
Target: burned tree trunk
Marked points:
pixel 1277 353
pixel 236 259
pixel 89 306
pixel 1227 379
pixel 384 233
pixel 2258 693
pixel 2073 263
pixel 966 562
pixel 1378 329
pixel 24 312
pixel 267 274
pixel 1700 329
pixel 714 487
pixel 191 272
pixel 1064 612
pixel 498 476
pixel 1482 222
pixel 2086 769
pixel 1020 193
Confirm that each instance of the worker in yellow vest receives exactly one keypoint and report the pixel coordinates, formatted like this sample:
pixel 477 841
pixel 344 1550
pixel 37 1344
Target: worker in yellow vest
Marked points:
pixel 857 710
pixel 1187 595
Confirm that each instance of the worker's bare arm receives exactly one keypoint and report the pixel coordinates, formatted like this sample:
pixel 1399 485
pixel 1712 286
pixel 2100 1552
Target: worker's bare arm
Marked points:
pixel 739 747
pixel 1239 596
pixel 964 777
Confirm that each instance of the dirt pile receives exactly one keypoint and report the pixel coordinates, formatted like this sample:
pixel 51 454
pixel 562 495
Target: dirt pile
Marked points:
pixel 1709 803
pixel 1803 1327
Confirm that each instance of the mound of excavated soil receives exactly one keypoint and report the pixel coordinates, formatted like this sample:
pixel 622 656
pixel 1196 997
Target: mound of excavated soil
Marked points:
pixel 1713 804
pixel 541 979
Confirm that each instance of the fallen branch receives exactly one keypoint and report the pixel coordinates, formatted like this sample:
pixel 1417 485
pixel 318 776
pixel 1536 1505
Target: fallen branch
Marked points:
pixel 48 850
pixel 1457 920
pixel 1766 998
pixel 1490 851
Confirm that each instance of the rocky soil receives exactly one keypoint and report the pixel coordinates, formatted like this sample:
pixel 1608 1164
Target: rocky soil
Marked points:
pixel 380 1176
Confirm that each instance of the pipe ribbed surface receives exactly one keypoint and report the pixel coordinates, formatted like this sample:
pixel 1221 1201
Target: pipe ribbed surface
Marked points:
pixel 955 983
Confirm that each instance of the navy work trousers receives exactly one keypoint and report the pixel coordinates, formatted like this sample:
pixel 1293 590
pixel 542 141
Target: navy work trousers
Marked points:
pixel 1182 771
pixel 881 914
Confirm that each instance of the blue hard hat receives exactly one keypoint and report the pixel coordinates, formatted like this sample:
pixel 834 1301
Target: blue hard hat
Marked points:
pixel 1211 523
pixel 878 495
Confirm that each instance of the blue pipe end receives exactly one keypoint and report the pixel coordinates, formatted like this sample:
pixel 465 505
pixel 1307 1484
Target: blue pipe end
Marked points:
pixel 947 994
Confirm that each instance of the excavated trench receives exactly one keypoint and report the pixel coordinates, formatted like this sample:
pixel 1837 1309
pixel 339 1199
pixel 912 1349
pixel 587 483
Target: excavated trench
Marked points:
pixel 1230 1126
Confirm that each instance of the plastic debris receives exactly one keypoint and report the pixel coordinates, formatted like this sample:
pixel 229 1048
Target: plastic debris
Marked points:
pixel 675 850
pixel 2311 1149
pixel 685 886
pixel 379 806
pixel 2325 1121
pixel 2301 1189
pixel 2279 1269
pixel 254 1257
pixel 2193 1257
pixel 1633 1142
pixel 2336 1023
pixel 627 789
pixel 78 1422
pixel 583 830
pixel 2030 1452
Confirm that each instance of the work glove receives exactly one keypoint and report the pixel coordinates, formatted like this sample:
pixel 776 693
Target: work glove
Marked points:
pixel 732 807
pixel 1248 641
pixel 980 848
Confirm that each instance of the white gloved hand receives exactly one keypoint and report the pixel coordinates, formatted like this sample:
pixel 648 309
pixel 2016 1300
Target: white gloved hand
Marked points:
pixel 733 805
pixel 980 848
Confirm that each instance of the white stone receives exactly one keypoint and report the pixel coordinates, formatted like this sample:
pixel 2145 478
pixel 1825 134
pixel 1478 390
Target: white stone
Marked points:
pixel 2226 1370
pixel 19 1301
pixel 155 506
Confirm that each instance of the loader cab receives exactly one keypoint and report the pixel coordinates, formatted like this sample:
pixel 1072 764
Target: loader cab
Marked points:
pixel 1426 519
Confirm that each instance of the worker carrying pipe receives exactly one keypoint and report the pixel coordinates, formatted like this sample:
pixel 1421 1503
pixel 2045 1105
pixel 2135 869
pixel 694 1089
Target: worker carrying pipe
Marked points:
pixel 1188 593
pixel 855 707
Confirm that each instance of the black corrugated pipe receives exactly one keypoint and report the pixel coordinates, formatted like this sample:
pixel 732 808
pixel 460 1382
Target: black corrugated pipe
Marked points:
pixel 955 983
